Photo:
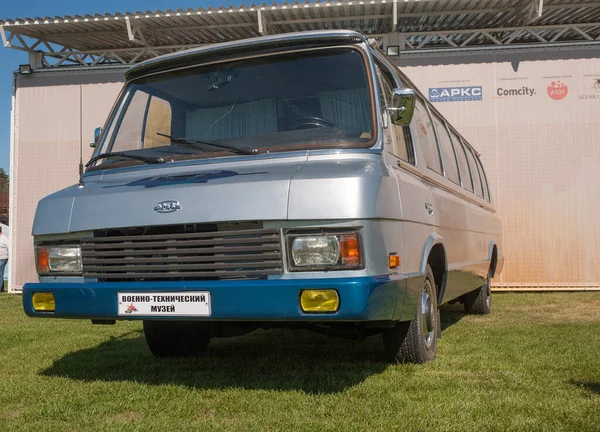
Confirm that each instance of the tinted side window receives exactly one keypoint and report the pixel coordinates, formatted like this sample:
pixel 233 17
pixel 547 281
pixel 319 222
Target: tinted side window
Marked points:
pixel 131 132
pixel 385 90
pixel 450 165
pixel 486 189
pixel 158 120
pixel 403 147
pixel 474 172
pixel 465 174
pixel 424 135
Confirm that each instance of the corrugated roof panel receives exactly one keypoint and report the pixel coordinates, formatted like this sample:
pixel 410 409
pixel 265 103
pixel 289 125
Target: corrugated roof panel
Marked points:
pixel 443 20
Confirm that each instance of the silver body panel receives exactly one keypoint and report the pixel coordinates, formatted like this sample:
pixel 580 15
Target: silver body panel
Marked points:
pixel 388 199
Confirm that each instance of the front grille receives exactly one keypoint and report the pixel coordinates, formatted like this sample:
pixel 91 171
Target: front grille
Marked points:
pixel 142 255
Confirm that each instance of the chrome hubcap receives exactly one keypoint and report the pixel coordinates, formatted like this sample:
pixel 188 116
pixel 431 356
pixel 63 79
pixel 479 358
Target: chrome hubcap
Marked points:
pixel 428 315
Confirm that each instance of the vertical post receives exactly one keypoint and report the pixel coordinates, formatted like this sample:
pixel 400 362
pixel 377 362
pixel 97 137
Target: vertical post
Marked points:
pixel 130 33
pixel 395 16
pixel 12 201
pixel 36 60
pixel 5 41
pixel 262 25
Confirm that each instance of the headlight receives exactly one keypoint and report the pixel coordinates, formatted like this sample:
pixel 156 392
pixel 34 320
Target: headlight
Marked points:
pixel 59 260
pixel 324 251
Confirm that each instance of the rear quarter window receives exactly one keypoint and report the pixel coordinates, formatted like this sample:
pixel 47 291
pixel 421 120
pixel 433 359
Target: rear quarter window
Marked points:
pixel 463 163
pixel 474 172
pixel 486 188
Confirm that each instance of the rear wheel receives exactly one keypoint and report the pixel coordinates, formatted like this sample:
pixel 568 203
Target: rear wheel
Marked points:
pixel 479 302
pixel 177 338
pixel 415 341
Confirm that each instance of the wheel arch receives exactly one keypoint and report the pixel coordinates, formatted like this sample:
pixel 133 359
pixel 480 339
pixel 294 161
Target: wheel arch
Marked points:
pixel 493 257
pixel 434 255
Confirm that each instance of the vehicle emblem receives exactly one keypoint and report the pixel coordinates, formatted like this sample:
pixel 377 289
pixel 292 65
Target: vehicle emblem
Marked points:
pixel 167 206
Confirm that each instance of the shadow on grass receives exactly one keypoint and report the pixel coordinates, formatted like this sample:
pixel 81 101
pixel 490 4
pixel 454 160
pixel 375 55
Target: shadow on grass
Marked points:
pixel 450 314
pixel 267 360
pixel 590 386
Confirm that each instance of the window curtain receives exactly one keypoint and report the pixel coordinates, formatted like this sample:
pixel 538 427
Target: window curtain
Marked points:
pixel 237 121
pixel 347 108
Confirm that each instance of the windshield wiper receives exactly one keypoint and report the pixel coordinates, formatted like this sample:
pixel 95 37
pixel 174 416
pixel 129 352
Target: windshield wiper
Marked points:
pixel 147 159
pixel 192 142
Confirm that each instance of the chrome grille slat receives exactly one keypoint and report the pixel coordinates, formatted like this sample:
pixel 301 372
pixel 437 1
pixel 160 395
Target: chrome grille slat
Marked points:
pixel 196 251
pixel 199 235
pixel 178 243
pixel 198 275
pixel 249 253
pixel 176 267
pixel 185 259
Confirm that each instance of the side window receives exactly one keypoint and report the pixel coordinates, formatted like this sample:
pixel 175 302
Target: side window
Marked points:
pixel 486 188
pixel 145 116
pixel 158 120
pixel 474 172
pixel 424 135
pixel 385 89
pixel 447 151
pixel 130 133
pixel 403 147
pixel 465 173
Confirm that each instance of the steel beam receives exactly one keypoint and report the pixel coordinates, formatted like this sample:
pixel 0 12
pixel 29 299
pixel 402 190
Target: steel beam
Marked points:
pixel 130 30
pixel 5 41
pixel 138 41
pixel 262 24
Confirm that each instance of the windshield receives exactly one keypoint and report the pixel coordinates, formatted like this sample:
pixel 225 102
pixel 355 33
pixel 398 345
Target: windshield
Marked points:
pixel 302 100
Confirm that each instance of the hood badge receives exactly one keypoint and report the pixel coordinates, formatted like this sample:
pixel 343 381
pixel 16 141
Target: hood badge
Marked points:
pixel 167 206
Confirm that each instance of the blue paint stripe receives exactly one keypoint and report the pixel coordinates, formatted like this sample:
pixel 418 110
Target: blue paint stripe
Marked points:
pixel 361 298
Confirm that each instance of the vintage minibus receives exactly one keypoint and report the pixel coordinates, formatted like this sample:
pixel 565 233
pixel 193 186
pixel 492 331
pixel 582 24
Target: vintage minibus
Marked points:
pixel 296 181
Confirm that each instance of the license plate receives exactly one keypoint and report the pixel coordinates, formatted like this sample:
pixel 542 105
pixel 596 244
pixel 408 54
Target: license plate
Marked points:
pixel 188 303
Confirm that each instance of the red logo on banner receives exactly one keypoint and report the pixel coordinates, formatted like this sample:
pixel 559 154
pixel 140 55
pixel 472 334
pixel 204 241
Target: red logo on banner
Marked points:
pixel 557 90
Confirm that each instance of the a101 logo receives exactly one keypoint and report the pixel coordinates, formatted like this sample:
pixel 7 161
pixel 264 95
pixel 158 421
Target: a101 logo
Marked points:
pixel 558 90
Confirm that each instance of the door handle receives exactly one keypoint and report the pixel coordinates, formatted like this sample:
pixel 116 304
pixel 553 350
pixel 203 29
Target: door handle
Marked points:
pixel 429 208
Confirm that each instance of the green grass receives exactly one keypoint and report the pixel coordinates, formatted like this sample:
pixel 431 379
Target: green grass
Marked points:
pixel 533 364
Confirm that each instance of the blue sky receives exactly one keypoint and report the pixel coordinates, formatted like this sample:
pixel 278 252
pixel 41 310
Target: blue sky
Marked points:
pixel 10 58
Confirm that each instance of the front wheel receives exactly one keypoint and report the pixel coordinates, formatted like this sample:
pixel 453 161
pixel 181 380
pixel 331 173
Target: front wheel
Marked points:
pixel 415 341
pixel 177 338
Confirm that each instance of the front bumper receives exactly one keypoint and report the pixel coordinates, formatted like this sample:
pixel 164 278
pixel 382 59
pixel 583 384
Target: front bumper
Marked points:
pixel 373 298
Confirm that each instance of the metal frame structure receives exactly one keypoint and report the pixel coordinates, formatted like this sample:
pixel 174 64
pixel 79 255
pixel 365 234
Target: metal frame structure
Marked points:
pixel 415 27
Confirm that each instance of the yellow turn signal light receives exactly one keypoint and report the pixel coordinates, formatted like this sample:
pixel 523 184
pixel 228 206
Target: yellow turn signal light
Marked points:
pixel 394 261
pixel 315 301
pixel 43 302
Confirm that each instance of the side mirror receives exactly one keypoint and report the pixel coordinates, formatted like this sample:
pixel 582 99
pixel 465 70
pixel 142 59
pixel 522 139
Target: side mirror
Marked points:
pixel 403 106
pixel 97 133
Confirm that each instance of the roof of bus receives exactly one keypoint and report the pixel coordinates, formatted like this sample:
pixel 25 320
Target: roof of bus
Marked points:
pixel 246 45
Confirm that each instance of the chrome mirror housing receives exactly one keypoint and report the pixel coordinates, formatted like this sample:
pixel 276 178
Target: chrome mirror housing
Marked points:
pixel 97 133
pixel 403 106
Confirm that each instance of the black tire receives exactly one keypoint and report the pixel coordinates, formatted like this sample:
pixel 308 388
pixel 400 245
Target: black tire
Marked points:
pixel 479 302
pixel 415 341
pixel 177 338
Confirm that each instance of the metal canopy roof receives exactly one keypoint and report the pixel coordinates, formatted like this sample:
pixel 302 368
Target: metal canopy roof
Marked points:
pixel 413 26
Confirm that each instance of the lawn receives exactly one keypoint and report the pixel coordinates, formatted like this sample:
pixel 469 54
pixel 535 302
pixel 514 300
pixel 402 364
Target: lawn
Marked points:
pixel 533 364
